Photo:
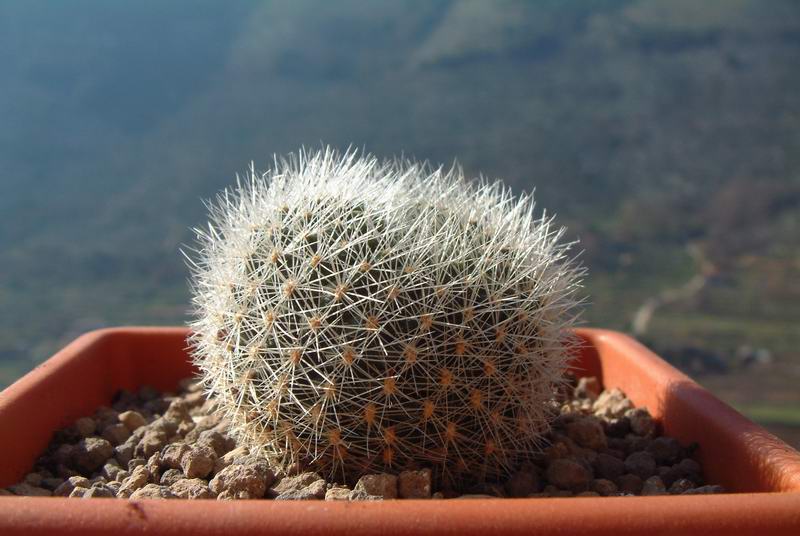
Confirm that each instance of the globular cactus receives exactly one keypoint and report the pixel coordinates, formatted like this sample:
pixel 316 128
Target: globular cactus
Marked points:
pixel 366 316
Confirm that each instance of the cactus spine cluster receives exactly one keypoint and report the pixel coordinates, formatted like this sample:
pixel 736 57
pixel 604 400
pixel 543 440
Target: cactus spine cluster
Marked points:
pixel 371 316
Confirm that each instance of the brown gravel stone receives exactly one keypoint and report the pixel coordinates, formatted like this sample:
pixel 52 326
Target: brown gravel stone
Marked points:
pixel 136 462
pixel 198 462
pixel 617 428
pixel 153 491
pixel 415 484
pixel 680 486
pixel 97 479
pixel 177 412
pixel 168 427
pixel 604 487
pixel 140 476
pixel 105 416
pixel 116 434
pixel 314 491
pixel 521 484
pixel 238 480
pixel 171 476
pixel 618 454
pixel 587 432
pixel 90 454
pixel 609 467
pixel 206 422
pixel 184 428
pixel 381 485
pixel 549 491
pixel 70 484
pixel 611 404
pixel 641 464
pixel 191 488
pixel 642 424
pixel 154 466
pixel 587 388
pixel 152 441
pixel 111 469
pixel 215 440
pixel 653 486
pixel 124 453
pixel 557 449
pixel 34 479
pixel 259 461
pixel 294 483
pixel 665 450
pixel 629 483
pixel 63 454
pixel 172 454
pixel 133 420
pixel 78 493
pixel 228 495
pixel 704 490
pixel 595 434
pixel 99 491
pixel 488 488
pixel 568 474
pixel 635 443
pixel 85 426
pixel 337 494
pixel 688 468
pixel 228 458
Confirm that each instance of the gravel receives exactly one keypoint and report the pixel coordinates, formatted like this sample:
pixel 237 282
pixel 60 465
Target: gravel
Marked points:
pixel 316 490
pixel 191 488
pixel 338 493
pixel 569 474
pixel 239 481
pixel 150 445
pixel 587 431
pixel 382 485
pixel 653 486
pixel 414 484
pixel 521 484
pixel 608 466
pixel 641 464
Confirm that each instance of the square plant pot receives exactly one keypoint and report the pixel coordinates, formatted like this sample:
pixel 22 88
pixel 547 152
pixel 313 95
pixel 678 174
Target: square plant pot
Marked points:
pixel 762 472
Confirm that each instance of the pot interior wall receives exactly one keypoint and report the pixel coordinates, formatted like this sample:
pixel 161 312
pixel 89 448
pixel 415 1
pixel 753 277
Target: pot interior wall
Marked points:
pixel 77 380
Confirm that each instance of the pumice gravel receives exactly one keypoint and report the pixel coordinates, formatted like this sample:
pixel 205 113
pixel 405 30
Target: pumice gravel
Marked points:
pixel 152 445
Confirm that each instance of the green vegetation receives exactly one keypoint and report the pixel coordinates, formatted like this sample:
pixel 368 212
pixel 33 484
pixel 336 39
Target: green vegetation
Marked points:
pixel 766 414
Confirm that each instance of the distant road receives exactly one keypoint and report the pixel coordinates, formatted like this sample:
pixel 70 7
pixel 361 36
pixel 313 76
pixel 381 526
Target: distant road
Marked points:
pixel 644 314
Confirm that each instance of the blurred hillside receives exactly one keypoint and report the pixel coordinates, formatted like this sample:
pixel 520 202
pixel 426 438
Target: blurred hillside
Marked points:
pixel 654 128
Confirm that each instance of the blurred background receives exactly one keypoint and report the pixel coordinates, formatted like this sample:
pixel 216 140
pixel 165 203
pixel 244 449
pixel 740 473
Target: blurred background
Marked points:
pixel 664 133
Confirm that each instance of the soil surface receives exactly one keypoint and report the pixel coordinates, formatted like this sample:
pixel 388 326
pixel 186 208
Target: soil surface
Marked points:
pixel 170 446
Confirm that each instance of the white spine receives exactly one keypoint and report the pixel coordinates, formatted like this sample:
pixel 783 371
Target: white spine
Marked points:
pixel 365 315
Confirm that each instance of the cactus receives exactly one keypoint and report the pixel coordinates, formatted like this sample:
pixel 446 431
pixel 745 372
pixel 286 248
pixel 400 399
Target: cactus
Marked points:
pixel 366 316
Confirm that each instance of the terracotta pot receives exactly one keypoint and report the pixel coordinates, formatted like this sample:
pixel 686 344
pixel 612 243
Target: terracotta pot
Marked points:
pixel 734 452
